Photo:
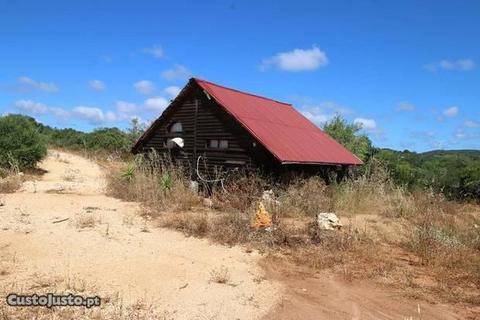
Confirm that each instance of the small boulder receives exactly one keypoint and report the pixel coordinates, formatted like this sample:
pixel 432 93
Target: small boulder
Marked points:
pixel 268 197
pixel 328 221
pixel 207 202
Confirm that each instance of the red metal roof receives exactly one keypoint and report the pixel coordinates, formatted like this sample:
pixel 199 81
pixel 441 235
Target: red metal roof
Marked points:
pixel 284 131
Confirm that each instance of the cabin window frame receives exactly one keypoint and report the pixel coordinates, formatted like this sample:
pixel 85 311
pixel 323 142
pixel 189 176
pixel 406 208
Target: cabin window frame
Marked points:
pixel 217 144
pixel 173 127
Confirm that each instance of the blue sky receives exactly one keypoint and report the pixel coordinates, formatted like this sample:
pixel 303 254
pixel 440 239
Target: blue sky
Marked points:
pixel 408 71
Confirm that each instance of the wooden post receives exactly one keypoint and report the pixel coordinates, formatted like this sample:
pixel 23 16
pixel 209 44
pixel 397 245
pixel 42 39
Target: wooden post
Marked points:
pixel 194 156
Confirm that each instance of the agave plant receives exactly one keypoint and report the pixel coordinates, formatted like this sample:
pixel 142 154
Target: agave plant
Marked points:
pixel 129 172
pixel 166 182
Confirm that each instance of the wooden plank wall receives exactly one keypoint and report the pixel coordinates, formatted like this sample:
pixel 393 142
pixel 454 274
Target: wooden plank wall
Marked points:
pixel 213 122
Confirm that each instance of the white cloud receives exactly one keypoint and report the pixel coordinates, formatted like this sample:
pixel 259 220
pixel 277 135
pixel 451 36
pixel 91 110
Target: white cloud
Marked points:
pixel 125 107
pixel 450 112
pixel 60 113
pixel 157 104
pixel 144 87
pixel 472 124
pixel 94 115
pixel 321 112
pixel 405 106
pixel 172 91
pixel 27 84
pixel 451 65
pixel 461 134
pixel 31 106
pixel 297 60
pixel 179 72
pixel 316 116
pixel 367 124
pixel 155 51
pixel 96 85
pixel 335 107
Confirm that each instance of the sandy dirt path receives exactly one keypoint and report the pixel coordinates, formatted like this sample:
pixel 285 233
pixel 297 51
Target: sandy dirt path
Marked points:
pixel 63 232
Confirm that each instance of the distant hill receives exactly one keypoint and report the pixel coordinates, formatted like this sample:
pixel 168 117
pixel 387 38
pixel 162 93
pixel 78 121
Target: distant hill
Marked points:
pixel 456 173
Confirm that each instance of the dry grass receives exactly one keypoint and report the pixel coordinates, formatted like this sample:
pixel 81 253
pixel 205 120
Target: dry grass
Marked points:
pixel 303 197
pixel 436 255
pixel 86 220
pixel 153 181
pixel 10 180
pixel 113 306
pixel 220 275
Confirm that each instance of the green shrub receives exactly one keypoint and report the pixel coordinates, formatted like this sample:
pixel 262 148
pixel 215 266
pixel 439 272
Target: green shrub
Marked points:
pixel 109 139
pixel 21 145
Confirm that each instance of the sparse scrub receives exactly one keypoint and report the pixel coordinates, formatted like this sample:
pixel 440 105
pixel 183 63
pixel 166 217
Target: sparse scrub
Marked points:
pixel 303 197
pixel 435 231
pixel 154 181
pixel 113 305
pixel 240 192
pixel 220 275
pixel 11 182
pixel 86 220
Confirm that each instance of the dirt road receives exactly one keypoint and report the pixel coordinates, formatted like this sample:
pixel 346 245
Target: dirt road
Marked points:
pixel 62 233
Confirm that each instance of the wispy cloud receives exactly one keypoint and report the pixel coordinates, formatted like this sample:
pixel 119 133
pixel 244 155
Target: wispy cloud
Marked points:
pixel 427 137
pixel 96 85
pixel 172 91
pixel 157 104
pixel 94 115
pixel 125 107
pixel 462 134
pixel 297 60
pixel 323 111
pixel 145 87
pixel 31 107
pixel 405 106
pixel 451 65
pixel 25 84
pixel 178 72
pixel 472 124
pixel 450 112
pixel 367 124
pixel 317 115
pixel 156 51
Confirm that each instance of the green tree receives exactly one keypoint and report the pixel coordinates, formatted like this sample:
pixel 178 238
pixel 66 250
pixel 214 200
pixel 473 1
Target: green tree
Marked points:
pixel 108 139
pixel 350 136
pixel 135 131
pixel 21 144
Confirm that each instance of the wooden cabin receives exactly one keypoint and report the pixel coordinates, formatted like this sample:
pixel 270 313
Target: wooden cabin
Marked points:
pixel 210 129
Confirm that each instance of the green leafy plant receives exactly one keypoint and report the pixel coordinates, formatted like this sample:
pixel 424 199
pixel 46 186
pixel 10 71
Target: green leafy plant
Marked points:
pixel 128 172
pixel 166 182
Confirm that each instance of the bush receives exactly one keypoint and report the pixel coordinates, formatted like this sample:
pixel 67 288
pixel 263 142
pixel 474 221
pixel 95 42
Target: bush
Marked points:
pixel 21 144
pixel 108 139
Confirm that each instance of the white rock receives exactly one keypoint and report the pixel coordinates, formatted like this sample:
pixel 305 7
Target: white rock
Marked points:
pixel 268 197
pixel 328 221
pixel 207 202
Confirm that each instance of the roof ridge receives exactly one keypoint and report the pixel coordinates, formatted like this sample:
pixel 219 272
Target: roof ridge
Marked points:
pixel 242 92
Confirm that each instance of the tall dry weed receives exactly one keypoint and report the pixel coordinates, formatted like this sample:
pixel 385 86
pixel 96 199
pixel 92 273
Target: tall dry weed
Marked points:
pixel 154 181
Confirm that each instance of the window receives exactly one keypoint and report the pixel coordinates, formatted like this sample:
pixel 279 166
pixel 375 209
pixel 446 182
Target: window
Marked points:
pixel 176 127
pixel 213 144
pixel 217 144
pixel 223 144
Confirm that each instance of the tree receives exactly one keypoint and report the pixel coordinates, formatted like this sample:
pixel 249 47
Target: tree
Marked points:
pixel 108 139
pixel 21 144
pixel 135 131
pixel 350 137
